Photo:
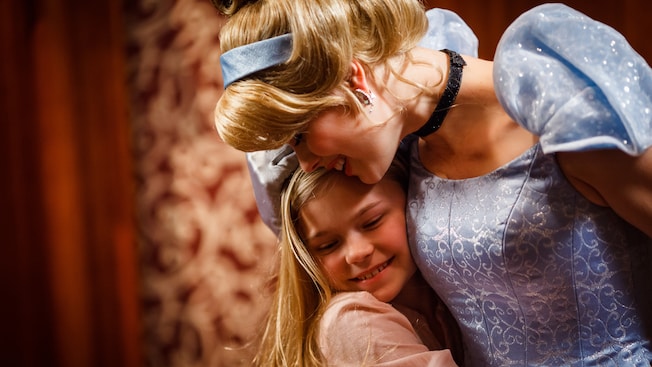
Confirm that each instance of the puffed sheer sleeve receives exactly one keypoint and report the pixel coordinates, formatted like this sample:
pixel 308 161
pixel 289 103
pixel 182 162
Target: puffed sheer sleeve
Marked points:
pixel 269 169
pixel 574 82
pixel 447 30
pixel 359 330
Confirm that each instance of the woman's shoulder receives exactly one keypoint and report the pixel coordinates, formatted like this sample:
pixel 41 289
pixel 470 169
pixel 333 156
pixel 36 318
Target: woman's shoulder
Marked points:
pixel 447 30
pixel 574 82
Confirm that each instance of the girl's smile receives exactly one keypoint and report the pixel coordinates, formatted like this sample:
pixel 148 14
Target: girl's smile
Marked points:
pixel 357 234
pixel 372 274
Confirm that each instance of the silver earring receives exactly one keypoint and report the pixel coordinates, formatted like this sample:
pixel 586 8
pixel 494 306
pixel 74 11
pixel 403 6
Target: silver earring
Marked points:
pixel 366 98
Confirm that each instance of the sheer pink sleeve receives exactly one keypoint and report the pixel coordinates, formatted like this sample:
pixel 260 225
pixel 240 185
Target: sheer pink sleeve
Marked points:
pixel 357 329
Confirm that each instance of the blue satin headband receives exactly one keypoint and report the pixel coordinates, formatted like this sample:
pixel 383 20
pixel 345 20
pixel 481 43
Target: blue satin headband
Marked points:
pixel 245 60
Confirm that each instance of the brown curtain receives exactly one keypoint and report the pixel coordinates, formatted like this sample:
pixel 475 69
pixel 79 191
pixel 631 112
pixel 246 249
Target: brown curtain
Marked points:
pixel 69 274
pixel 488 19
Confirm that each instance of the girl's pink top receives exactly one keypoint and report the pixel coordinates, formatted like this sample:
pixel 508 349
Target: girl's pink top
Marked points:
pixel 359 330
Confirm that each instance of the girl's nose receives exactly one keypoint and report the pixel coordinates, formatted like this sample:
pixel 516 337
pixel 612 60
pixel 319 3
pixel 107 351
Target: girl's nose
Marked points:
pixel 358 250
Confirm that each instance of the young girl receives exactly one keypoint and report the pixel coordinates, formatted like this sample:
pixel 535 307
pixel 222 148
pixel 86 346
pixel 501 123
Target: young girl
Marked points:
pixel 343 257
pixel 530 199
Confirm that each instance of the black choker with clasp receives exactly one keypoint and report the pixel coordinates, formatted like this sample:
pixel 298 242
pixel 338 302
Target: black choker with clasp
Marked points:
pixel 448 97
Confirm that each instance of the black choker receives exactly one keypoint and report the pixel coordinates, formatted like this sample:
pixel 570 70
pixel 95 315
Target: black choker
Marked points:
pixel 448 97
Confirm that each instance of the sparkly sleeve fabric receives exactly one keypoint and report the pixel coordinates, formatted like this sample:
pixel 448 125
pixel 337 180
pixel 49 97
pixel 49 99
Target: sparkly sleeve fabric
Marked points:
pixel 270 169
pixel 446 30
pixel 574 82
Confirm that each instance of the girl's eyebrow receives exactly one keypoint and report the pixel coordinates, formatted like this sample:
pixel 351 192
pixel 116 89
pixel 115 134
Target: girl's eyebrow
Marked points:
pixel 368 207
pixel 316 235
pixel 359 213
pixel 307 237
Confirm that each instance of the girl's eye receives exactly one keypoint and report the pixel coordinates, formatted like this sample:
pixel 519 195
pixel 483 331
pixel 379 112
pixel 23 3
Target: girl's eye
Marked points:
pixel 326 247
pixel 372 224
pixel 297 139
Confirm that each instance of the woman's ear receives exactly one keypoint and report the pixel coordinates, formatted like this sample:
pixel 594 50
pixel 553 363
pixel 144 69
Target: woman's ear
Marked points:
pixel 358 78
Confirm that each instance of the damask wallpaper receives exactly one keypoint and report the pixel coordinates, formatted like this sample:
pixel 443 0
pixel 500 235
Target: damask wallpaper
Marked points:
pixel 205 254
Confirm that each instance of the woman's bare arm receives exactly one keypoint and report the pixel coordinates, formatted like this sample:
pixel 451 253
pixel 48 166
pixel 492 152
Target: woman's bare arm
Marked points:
pixel 615 179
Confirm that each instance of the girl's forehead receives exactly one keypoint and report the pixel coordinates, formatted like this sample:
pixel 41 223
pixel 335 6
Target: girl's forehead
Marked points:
pixel 338 183
pixel 349 193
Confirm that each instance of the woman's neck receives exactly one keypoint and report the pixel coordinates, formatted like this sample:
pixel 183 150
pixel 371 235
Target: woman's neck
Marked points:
pixel 476 115
pixel 477 135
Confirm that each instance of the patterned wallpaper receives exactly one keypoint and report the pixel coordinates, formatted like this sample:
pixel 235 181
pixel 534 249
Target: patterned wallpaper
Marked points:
pixel 205 255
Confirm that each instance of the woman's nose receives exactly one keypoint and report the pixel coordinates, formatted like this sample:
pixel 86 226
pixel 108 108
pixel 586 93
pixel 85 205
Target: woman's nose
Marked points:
pixel 309 165
pixel 307 160
pixel 358 250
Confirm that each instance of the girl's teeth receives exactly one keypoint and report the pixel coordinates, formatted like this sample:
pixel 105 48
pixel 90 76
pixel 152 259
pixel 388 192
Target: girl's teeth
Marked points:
pixel 373 273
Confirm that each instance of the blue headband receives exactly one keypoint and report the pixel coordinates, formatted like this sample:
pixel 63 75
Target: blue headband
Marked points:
pixel 245 60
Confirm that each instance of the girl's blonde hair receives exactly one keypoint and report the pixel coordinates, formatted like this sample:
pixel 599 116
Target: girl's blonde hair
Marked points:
pixel 266 109
pixel 290 337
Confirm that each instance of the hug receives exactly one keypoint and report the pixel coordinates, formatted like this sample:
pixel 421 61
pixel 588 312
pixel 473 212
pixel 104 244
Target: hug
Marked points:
pixel 526 191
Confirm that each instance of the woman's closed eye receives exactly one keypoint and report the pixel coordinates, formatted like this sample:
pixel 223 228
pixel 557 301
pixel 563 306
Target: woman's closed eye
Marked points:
pixel 296 140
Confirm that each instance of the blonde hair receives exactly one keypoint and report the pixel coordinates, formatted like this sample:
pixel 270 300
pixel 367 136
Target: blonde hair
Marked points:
pixel 265 110
pixel 302 293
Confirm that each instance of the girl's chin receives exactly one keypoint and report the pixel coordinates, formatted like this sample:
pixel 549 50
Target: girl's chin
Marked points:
pixel 385 296
pixel 387 293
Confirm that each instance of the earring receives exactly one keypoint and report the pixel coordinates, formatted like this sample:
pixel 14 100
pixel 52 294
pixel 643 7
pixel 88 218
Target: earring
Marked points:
pixel 366 98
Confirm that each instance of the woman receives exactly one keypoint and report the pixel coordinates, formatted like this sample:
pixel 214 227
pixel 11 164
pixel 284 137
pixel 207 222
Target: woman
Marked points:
pixel 530 200
pixel 345 272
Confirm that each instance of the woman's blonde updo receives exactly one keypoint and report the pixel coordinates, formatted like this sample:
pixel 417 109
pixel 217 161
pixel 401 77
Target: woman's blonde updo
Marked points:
pixel 266 109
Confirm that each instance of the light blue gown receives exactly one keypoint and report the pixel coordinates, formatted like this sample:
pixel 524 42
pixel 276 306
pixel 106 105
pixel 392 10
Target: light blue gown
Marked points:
pixel 534 273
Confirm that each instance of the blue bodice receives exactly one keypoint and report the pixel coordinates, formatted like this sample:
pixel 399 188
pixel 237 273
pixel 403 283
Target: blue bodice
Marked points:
pixel 533 272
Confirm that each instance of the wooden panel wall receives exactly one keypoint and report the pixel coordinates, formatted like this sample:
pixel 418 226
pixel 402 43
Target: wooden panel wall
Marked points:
pixel 488 19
